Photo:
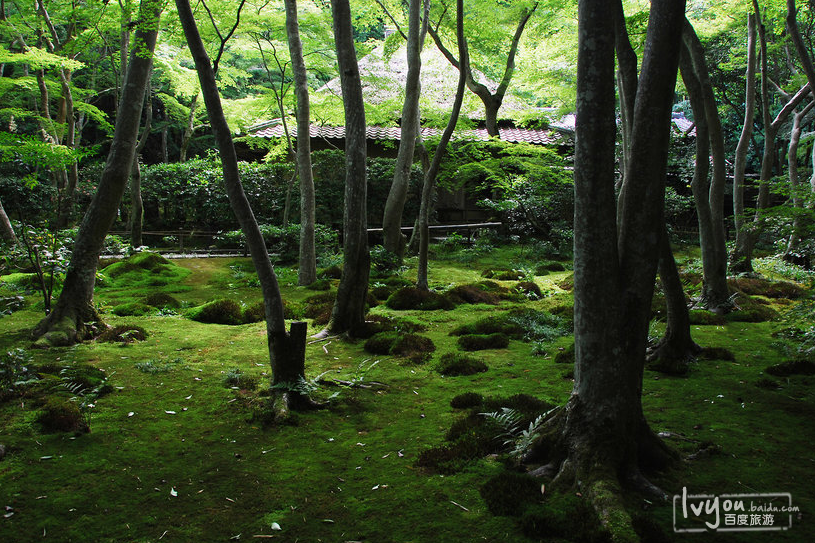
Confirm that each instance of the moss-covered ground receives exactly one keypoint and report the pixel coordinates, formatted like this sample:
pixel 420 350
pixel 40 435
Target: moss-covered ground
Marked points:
pixel 176 454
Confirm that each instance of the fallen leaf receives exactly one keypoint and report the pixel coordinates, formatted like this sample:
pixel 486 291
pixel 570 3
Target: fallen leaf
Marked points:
pixel 276 526
pixel 169 412
pixel 131 414
pixel 173 492
pixel 374 488
pixel 188 397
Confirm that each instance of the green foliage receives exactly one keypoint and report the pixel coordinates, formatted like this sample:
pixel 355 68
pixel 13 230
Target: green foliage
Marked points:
pixel 284 242
pixel 47 253
pixel 15 372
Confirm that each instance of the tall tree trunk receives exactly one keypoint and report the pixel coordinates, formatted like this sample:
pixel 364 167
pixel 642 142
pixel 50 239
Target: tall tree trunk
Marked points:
pixel 286 351
pixel 393 239
pixel 709 195
pixel 74 317
pixel 739 260
pixel 186 137
pixel 6 231
pixel 307 272
pixel 348 314
pixel 72 173
pixel 791 251
pixel 430 176
pixel 600 439
pixel 136 202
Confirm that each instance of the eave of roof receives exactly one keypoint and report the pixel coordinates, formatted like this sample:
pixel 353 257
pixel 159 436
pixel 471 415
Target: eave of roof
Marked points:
pixel 512 135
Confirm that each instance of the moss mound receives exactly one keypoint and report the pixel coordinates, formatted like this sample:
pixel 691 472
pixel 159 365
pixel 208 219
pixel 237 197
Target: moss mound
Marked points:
pixel 565 355
pixel 332 272
pixel 133 309
pixel 320 284
pixel 481 342
pixel 544 268
pixel 756 286
pixel 472 294
pixel 456 364
pixel 510 492
pixel 405 345
pixel 529 289
pixel 408 298
pixel 467 400
pixel 563 516
pixel 567 283
pixel 705 317
pixel 256 312
pixel 143 269
pixel 799 366
pixel 491 325
pixel 222 311
pixel 717 353
pixel 161 300
pixel 61 415
pixel 508 275
pixel 123 333
pixel 751 310
pixel 319 307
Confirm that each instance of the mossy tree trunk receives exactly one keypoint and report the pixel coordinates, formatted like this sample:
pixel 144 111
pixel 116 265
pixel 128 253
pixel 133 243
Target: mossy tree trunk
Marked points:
pixel 430 176
pixel 393 239
pixel 74 316
pixel 600 441
pixel 286 351
pixel 307 272
pixel 348 314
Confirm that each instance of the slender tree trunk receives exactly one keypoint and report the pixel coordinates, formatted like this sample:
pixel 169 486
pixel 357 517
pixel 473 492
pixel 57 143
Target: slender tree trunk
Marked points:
pixel 348 314
pixel 186 137
pixel 286 351
pixel 739 260
pixel 791 251
pixel 676 347
pixel 430 176
pixel 307 272
pixel 6 231
pixel 74 317
pixel 136 202
pixel 393 239
pixel 72 173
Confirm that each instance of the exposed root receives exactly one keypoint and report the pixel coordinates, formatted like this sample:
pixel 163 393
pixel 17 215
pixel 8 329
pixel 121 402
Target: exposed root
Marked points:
pixel 671 357
pixel 287 401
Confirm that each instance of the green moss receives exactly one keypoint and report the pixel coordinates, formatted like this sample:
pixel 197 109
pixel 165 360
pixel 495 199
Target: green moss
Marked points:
pixel 161 300
pixel 60 414
pixel 407 298
pixel 545 268
pixel 133 309
pixel 756 286
pixel 235 378
pixel 319 307
pixel 454 364
pixel 320 284
pixel 123 333
pixel 402 344
pixel 255 312
pixel 509 493
pixel 565 355
pixel 332 272
pixel 481 342
pixel 798 366
pixel 565 516
pixel 381 343
pixel 751 309
pixel 717 353
pixel 529 289
pixel 567 283
pixel 223 311
pixel 467 400
pixel 704 317
pixel 472 294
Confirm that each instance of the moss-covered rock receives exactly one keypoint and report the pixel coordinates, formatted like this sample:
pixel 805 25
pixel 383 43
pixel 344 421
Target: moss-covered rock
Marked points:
pixel 60 414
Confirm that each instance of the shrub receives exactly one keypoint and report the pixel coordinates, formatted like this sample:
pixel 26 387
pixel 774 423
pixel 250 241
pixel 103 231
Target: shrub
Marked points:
pixel 123 333
pixel 14 371
pixel 62 415
pixel 480 342
pixel 467 400
pixel 407 298
pixel 222 311
pixel 510 492
pixel 454 364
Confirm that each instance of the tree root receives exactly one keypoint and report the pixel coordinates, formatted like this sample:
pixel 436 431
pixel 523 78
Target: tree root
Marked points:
pixel 672 359
pixel 284 402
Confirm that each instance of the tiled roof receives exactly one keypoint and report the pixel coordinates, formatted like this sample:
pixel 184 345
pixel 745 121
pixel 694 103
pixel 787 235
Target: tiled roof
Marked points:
pixel 512 135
